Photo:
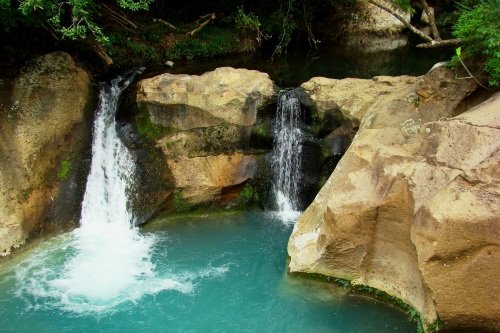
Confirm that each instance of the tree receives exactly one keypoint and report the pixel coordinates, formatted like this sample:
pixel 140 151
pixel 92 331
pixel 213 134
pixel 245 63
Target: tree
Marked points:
pixel 433 40
pixel 479 29
pixel 71 19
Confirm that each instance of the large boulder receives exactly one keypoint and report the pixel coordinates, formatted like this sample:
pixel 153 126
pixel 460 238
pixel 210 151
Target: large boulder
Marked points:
pixel 349 99
pixel 43 127
pixel 223 96
pixel 412 207
pixel 203 126
pixel 202 179
pixel 456 226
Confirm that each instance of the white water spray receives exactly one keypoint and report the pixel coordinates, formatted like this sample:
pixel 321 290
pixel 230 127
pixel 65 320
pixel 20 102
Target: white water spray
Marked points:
pixel 286 158
pixel 111 262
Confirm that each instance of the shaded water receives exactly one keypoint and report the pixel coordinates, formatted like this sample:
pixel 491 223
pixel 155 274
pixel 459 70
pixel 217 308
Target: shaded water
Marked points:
pixel 233 268
pixel 331 60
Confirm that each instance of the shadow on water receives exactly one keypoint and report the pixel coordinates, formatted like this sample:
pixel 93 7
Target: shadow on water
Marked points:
pixel 332 61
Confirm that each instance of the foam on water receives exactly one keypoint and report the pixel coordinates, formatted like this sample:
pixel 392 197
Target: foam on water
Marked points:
pixel 106 262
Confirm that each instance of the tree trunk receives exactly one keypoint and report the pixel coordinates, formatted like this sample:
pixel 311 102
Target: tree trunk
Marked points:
pixel 432 20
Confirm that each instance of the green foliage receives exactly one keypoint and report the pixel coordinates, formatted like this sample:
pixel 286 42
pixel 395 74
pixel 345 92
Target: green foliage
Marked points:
pixel 211 41
pixel 287 25
pixel 135 5
pixel 405 5
pixel 73 19
pixel 65 169
pixel 479 28
pixel 246 22
pixel 261 131
pixel 181 204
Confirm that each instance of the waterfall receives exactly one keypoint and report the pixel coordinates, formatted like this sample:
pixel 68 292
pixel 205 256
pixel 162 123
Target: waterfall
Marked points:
pixel 110 261
pixel 113 166
pixel 286 156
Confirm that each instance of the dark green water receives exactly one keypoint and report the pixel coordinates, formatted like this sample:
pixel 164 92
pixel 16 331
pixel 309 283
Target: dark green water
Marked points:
pixel 332 61
pixel 220 274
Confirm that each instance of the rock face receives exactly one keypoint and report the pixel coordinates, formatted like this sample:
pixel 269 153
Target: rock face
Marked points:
pixel 373 29
pixel 204 124
pixel 223 96
pixel 456 228
pixel 203 178
pixel 349 99
pixel 412 208
pixel 43 126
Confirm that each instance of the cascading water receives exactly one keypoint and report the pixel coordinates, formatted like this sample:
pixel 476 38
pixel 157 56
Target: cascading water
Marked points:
pixel 286 157
pixel 111 262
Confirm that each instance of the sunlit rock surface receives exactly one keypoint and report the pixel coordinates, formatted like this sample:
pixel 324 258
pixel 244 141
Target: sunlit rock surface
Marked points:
pixel 42 123
pixel 206 123
pixel 412 208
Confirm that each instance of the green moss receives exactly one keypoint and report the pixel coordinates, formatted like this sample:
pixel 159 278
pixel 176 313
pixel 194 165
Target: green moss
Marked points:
pixel 65 168
pixel 147 129
pixel 378 294
pixel 260 131
pixel 249 195
pixel 435 326
pixel 181 204
pixel 27 193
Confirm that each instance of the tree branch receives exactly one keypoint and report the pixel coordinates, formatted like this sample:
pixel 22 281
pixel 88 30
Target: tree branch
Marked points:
pixel 440 43
pixel 210 18
pixel 393 12
pixel 120 18
pixel 168 24
pixel 101 53
pixel 432 19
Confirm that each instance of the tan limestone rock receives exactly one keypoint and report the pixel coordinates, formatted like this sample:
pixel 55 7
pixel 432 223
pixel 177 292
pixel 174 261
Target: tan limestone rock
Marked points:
pixel 201 179
pixel 209 119
pixel 223 96
pixel 41 118
pixel 412 208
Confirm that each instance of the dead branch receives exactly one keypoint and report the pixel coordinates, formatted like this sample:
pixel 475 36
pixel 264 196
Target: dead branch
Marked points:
pixel 439 43
pixel 432 19
pixel 211 17
pixel 119 17
pixel 101 53
pixel 168 24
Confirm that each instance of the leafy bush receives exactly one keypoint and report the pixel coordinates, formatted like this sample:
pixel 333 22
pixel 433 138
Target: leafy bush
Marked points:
pixel 74 19
pixel 479 28
pixel 246 22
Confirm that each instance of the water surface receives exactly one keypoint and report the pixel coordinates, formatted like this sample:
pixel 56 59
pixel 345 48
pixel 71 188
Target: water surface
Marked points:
pixel 226 274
